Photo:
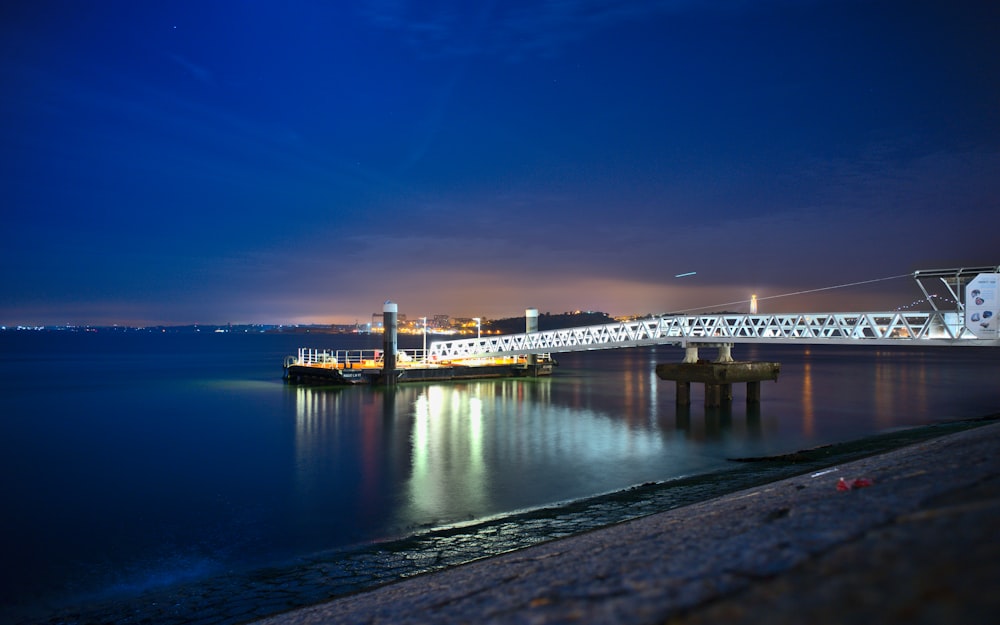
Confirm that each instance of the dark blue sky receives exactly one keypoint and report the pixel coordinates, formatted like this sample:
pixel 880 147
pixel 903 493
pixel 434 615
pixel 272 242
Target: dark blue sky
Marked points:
pixel 212 162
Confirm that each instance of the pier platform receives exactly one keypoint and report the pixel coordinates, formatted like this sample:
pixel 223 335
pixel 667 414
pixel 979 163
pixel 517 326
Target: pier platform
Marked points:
pixel 907 536
pixel 349 367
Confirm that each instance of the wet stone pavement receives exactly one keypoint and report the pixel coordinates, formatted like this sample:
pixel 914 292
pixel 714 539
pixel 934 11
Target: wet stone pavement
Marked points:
pixel 240 597
pixel 903 537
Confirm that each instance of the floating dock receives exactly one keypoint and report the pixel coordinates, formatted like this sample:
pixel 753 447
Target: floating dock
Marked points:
pixel 391 365
pixel 349 367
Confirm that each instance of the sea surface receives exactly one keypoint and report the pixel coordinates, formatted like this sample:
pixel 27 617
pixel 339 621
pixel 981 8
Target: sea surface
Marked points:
pixel 131 462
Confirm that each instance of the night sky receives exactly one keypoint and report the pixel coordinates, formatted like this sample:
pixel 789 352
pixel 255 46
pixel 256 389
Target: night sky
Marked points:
pixel 213 162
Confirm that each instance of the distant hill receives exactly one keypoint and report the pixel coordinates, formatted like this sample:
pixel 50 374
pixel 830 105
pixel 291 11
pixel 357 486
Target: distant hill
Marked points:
pixel 549 321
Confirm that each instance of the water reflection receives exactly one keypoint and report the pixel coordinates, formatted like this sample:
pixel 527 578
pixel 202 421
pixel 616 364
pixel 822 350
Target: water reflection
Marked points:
pixel 347 458
pixel 896 387
pixel 447 455
pixel 389 460
pixel 422 455
pixel 195 452
pixel 808 412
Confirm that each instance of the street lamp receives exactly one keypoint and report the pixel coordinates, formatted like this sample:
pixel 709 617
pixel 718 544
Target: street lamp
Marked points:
pixel 424 319
pixel 479 327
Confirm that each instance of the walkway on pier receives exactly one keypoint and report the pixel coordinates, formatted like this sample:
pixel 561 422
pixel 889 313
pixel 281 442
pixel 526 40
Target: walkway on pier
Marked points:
pixel 863 328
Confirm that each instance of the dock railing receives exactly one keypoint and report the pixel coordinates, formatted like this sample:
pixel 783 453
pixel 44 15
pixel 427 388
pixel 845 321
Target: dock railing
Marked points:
pixel 350 358
pixel 340 358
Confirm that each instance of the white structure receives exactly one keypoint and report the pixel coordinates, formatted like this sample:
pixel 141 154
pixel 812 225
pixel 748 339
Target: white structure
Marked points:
pixel 928 328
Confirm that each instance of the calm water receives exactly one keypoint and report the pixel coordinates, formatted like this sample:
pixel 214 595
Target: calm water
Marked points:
pixel 133 461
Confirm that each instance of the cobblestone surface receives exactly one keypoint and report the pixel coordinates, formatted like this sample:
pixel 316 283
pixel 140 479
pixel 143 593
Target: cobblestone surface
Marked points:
pixel 242 597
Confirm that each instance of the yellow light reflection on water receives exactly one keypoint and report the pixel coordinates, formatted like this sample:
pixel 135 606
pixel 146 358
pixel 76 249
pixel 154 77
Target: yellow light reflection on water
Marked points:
pixel 899 388
pixel 447 455
pixel 808 409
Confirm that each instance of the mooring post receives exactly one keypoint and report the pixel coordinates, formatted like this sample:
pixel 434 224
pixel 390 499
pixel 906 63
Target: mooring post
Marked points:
pixel 531 326
pixel 389 323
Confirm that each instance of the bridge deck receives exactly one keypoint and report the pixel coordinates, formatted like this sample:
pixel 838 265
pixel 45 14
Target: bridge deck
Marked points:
pixel 932 328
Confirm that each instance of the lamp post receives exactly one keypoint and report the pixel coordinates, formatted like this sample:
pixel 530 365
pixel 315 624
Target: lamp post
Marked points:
pixel 424 319
pixel 479 327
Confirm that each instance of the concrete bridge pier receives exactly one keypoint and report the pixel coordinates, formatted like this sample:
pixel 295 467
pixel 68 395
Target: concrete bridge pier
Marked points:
pixel 717 376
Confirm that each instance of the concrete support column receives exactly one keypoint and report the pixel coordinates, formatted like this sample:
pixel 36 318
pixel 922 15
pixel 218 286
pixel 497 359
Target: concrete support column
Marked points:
pixel 726 393
pixel 753 392
pixel 389 342
pixel 725 352
pixel 717 395
pixel 712 396
pixel 690 355
pixel 683 393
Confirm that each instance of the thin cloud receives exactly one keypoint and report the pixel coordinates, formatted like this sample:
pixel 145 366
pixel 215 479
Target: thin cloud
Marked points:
pixel 518 31
pixel 198 72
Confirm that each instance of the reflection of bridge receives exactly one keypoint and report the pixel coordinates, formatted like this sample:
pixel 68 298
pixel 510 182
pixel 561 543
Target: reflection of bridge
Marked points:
pixel 972 323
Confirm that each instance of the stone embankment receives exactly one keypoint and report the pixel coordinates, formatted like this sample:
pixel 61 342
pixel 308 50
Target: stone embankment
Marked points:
pixel 907 536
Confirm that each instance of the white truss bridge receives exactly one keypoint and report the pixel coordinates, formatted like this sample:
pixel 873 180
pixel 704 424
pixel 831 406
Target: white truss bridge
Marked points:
pixel 928 328
pixel 865 328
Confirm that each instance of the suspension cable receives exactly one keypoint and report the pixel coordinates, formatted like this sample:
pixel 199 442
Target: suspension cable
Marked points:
pixel 825 288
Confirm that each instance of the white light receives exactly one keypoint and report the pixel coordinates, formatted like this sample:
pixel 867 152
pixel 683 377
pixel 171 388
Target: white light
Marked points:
pixel 424 319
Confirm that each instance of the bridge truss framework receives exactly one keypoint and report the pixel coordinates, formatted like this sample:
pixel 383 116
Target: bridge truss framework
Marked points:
pixel 928 328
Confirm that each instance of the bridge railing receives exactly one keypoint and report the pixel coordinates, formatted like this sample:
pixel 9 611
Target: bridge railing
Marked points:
pixel 871 328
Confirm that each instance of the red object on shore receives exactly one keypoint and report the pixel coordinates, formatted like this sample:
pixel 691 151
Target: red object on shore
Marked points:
pixel 861 482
